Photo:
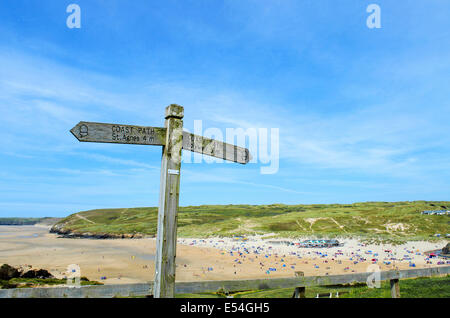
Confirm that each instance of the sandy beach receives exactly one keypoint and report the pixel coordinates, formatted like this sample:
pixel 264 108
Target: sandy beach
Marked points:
pixel 132 260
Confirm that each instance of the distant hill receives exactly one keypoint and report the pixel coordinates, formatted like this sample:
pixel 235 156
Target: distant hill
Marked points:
pixel 379 220
pixel 29 221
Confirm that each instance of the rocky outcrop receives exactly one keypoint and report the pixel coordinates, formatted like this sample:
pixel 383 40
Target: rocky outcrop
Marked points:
pixel 8 272
pixel 446 249
pixel 37 273
pixel 67 233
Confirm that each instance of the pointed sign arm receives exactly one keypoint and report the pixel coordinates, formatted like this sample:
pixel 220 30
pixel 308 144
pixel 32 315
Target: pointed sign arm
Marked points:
pixel 215 148
pixel 142 135
pixel 119 134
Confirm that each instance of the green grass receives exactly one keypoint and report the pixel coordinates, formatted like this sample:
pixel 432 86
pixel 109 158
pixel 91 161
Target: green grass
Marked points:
pixel 202 295
pixel 368 220
pixel 37 282
pixel 434 287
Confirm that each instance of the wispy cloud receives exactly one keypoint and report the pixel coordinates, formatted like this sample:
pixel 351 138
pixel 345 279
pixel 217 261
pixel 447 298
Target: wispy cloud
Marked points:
pixel 361 114
pixel 112 160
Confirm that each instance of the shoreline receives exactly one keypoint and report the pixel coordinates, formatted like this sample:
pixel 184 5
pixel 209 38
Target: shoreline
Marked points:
pixel 122 261
pixel 64 233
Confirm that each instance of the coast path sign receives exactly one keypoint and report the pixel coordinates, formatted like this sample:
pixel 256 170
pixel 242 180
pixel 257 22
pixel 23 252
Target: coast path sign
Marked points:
pixel 143 135
pixel 173 139
pixel 119 134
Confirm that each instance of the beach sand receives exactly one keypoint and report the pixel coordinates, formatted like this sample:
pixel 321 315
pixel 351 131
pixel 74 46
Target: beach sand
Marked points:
pixel 132 260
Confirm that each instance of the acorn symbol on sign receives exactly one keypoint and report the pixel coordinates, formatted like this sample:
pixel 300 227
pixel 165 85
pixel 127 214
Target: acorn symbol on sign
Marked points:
pixel 83 131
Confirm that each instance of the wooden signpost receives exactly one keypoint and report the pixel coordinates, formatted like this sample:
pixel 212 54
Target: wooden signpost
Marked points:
pixel 173 139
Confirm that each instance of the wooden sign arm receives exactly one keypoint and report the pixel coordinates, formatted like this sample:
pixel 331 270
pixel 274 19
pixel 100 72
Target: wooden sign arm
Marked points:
pixel 215 148
pixel 156 136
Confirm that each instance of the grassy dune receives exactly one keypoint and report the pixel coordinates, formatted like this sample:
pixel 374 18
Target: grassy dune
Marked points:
pixel 37 282
pixel 426 287
pixel 394 221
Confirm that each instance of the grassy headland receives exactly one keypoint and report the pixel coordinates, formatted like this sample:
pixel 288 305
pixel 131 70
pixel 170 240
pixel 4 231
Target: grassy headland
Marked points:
pixel 387 221
pixel 28 221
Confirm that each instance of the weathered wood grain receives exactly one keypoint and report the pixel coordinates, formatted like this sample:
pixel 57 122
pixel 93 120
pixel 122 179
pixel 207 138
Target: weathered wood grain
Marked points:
pixel 119 134
pixel 144 135
pixel 166 240
pixel 105 291
pixel 395 288
pixel 306 281
pixel 299 292
pixel 215 148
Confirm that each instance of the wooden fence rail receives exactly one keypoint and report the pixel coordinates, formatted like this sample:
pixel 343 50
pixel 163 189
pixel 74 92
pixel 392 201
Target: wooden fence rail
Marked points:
pixel 298 284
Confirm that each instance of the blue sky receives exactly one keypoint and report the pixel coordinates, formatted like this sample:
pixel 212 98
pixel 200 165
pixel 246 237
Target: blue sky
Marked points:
pixel 363 113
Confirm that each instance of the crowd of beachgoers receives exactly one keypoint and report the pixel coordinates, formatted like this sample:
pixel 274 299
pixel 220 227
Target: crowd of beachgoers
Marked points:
pixel 351 251
pixel 132 261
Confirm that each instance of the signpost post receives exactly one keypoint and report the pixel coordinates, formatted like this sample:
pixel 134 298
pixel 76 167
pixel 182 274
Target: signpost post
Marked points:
pixel 173 139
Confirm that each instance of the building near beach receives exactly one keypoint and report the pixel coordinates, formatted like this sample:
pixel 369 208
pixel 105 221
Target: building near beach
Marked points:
pixel 318 243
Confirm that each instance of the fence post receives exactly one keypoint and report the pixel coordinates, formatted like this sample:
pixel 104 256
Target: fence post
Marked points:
pixel 299 292
pixel 395 288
